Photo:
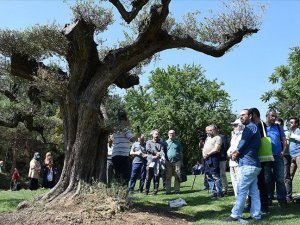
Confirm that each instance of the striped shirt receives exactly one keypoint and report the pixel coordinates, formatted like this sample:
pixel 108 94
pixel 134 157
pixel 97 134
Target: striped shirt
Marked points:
pixel 121 146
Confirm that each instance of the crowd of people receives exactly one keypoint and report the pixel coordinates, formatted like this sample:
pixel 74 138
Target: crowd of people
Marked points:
pixel 38 171
pixel 262 158
pixel 152 159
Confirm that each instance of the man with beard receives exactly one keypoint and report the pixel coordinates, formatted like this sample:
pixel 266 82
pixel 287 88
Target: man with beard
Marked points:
pixel 249 167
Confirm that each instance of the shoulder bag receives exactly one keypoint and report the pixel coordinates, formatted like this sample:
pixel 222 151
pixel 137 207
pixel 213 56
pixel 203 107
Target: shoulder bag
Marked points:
pixel 265 148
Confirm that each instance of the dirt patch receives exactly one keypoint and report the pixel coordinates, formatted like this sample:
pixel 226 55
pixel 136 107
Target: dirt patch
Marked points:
pixel 92 210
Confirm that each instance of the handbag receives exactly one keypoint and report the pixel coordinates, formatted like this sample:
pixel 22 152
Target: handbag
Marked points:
pixel 265 148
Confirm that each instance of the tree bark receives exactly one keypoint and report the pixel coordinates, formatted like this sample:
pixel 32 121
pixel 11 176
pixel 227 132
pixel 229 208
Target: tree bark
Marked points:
pixel 85 150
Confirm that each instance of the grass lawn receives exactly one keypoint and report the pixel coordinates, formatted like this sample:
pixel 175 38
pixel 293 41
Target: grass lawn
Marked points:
pixel 200 206
pixel 206 211
pixel 9 200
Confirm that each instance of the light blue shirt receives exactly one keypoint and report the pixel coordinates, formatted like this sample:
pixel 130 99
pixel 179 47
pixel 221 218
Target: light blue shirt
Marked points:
pixel 294 145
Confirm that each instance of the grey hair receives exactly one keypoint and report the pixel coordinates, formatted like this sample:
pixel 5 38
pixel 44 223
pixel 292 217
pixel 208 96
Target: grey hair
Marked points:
pixel 152 131
pixel 271 111
pixel 213 126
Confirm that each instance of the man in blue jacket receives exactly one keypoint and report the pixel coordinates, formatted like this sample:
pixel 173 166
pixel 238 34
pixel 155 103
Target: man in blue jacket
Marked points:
pixel 249 167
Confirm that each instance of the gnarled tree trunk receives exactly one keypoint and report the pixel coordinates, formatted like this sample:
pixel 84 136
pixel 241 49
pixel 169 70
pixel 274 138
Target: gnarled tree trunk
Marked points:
pixel 85 135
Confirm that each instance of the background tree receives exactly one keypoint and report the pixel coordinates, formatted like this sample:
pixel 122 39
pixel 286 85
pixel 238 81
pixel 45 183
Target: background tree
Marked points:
pixel 81 88
pixel 26 127
pixel 286 98
pixel 181 99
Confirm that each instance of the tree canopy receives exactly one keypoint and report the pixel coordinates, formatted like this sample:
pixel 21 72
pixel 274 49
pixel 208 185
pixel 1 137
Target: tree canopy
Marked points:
pixel 286 98
pixel 182 99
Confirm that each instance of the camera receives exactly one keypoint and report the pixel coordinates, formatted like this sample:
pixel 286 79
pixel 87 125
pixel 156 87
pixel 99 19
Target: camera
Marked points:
pixel 202 136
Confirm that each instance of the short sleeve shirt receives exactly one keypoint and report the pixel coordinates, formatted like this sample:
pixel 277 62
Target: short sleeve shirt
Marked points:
pixel 275 132
pixel 210 143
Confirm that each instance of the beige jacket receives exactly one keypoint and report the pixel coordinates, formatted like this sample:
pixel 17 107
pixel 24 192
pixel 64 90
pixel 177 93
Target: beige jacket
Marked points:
pixel 34 169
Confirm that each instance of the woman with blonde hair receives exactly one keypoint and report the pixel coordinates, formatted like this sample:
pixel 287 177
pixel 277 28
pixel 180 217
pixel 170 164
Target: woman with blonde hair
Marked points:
pixel 48 171
pixel 48 158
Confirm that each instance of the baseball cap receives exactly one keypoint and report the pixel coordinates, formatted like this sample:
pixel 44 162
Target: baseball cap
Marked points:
pixel 237 121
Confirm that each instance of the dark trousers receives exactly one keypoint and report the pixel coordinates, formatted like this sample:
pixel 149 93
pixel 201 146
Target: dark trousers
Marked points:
pixel 163 177
pixel 138 169
pixel 150 176
pixel 287 176
pixel 109 171
pixel 122 169
pixel 212 172
pixel 263 194
pixel 205 181
pixel 33 184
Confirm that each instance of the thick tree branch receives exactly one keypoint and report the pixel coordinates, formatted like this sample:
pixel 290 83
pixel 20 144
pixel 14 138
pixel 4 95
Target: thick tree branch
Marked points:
pixel 158 15
pixel 28 122
pixel 129 57
pixel 82 55
pixel 215 51
pixel 127 80
pixel 139 51
pixel 137 5
pixel 23 66
pixel 9 95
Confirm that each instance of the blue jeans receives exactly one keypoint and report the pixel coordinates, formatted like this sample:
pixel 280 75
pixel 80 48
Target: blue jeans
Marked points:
pixel 275 169
pixel 136 170
pixel 247 184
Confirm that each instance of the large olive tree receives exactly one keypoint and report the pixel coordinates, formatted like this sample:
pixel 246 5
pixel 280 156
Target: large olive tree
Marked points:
pixel 92 67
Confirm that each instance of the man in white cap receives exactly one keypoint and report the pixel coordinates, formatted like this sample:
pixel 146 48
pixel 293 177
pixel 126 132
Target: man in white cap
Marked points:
pixel 236 135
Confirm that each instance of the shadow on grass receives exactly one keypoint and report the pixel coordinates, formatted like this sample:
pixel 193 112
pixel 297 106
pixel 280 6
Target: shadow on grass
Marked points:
pixel 161 210
pixel 221 210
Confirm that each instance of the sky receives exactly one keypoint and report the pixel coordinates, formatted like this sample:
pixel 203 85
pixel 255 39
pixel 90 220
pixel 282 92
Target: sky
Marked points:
pixel 244 70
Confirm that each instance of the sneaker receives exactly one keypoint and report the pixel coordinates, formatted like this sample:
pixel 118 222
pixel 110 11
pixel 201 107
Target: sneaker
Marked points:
pixel 251 218
pixel 229 219
pixel 168 193
pixel 177 192
pixel 221 195
pixel 131 192
pixel 146 193
pixel 154 193
pixel 215 197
